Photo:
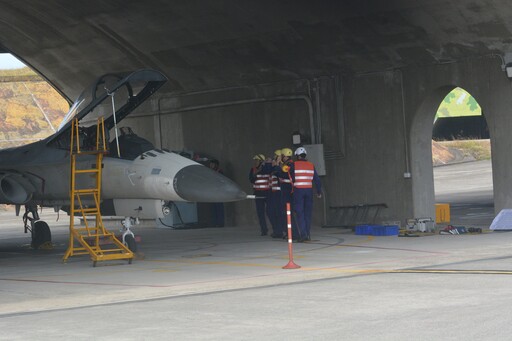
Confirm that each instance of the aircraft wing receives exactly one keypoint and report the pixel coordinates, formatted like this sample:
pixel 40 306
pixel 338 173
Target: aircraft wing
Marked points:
pixel 112 96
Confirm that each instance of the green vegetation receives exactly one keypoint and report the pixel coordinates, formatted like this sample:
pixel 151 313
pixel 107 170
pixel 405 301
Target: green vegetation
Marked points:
pixel 458 103
pixel 478 149
pixel 30 109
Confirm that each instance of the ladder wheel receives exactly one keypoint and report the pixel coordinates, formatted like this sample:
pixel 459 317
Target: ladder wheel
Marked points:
pixel 130 261
pixel 94 264
pixel 130 243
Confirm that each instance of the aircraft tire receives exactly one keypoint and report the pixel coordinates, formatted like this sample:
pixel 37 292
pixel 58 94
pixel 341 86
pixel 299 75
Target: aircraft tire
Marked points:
pixel 130 243
pixel 41 234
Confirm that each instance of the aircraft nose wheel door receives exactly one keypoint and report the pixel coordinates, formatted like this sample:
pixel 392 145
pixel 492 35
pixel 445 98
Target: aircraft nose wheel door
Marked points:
pixel 92 238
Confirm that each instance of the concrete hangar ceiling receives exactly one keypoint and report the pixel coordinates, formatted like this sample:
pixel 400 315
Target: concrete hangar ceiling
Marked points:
pixel 211 44
pixel 284 66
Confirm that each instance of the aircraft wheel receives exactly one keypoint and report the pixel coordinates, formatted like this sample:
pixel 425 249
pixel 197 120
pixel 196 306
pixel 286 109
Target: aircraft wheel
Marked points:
pixel 130 243
pixel 41 234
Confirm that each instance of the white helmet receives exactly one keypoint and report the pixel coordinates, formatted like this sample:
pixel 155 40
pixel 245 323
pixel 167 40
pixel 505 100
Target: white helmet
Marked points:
pixel 300 150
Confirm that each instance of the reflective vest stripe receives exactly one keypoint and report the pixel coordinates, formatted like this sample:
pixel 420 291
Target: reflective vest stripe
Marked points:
pixel 275 184
pixel 262 182
pixel 298 184
pixel 286 181
pixel 303 178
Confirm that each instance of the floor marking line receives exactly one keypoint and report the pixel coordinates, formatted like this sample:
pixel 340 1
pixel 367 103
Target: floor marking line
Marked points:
pixel 392 249
pixel 215 263
pixel 455 271
pixel 82 283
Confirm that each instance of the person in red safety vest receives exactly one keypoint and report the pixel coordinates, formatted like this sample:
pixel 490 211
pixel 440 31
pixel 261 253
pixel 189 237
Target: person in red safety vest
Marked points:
pixel 304 176
pixel 274 198
pixel 285 182
pixel 259 176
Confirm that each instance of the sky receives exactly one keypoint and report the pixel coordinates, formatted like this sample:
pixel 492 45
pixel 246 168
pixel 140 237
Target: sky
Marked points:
pixel 8 61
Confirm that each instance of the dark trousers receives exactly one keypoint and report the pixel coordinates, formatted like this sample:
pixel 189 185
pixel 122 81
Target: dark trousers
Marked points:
pixel 303 207
pixel 274 210
pixel 262 209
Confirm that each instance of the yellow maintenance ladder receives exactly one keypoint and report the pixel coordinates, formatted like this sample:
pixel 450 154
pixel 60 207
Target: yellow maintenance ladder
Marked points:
pixel 92 238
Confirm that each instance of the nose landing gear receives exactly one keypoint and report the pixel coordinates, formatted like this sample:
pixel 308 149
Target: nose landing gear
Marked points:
pixel 128 236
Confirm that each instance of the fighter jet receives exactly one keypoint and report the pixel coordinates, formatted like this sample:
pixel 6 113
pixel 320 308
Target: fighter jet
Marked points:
pixel 138 180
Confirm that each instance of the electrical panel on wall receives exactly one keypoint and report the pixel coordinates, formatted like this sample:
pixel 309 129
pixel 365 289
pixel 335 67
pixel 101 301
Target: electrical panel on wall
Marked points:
pixel 316 155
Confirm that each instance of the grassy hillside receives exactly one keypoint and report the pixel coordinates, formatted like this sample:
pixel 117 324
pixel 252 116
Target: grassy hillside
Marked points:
pixel 30 109
pixel 446 152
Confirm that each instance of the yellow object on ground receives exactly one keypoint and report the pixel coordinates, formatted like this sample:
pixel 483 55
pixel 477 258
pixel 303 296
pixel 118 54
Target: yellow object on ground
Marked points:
pixel 442 213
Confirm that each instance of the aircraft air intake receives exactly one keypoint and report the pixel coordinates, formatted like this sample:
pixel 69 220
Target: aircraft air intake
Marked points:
pixel 14 189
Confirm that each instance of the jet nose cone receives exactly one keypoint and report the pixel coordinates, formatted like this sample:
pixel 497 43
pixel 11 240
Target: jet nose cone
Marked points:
pixel 201 184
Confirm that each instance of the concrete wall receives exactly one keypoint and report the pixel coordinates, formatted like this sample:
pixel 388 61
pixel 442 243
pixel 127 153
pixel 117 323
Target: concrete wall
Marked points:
pixel 375 128
pixel 426 87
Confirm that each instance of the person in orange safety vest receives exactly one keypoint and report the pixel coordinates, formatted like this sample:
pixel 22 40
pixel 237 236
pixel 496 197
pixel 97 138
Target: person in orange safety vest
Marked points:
pixel 304 176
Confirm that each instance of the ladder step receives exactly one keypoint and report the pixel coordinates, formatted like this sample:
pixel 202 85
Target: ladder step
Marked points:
pixel 86 210
pixel 113 256
pixel 81 171
pixel 90 152
pixel 97 235
pixel 86 191
pixel 110 251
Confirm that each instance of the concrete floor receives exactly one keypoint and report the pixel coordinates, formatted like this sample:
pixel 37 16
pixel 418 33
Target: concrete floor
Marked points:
pixel 468 188
pixel 228 283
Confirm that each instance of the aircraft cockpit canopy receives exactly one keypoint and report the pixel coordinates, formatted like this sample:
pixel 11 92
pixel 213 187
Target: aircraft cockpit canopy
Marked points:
pixel 113 97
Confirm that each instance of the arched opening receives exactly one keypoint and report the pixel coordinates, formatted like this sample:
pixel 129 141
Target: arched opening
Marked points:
pixel 472 201
pixel 30 108
pixel 461 156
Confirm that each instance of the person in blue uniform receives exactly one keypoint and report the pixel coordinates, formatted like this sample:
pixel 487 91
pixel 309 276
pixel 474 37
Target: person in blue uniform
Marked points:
pixel 259 176
pixel 285 182
pixel 304 176
pixel 274 198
